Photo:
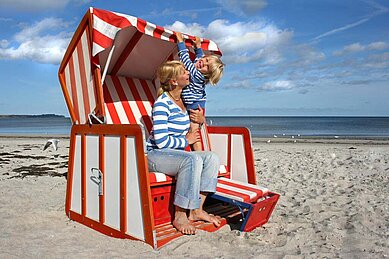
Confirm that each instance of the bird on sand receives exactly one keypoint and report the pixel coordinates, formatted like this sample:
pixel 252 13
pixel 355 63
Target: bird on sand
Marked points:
pixel 53 143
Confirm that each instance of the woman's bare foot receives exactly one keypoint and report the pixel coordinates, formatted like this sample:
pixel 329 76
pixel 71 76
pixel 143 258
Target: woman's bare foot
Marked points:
pixel 181 222
pixel 200 214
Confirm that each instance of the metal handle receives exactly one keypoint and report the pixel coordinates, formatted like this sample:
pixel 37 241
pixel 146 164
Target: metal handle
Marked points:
pixel 97 179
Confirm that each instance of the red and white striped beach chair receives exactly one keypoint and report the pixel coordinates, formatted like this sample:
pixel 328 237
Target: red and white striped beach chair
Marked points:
pixel 108 75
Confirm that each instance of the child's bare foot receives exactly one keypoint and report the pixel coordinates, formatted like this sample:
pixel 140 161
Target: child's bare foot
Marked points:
pixel 182 224
pixel 200 214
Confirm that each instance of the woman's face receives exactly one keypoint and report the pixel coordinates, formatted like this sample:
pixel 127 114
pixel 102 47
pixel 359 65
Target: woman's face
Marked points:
pixel 183 78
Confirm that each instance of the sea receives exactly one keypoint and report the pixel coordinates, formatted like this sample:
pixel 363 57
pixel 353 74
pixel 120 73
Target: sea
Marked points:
pixel 260 126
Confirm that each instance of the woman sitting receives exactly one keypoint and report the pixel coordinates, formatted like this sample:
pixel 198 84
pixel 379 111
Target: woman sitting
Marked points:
pixel 195 172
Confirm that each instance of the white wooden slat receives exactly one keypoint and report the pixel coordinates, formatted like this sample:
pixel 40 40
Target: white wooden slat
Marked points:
pixel 135 224
pixel 112 181
pixel 219 143
pixel 238 160
pixel 92 188
pixel 76 181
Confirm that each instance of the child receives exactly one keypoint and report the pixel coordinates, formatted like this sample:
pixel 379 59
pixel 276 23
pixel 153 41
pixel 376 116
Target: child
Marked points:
pixel 203 70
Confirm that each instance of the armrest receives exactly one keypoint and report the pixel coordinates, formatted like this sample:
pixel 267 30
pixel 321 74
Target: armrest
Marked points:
pixel 234 147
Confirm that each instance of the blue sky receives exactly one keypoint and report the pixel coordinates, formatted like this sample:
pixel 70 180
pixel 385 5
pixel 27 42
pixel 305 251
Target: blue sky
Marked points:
pixel 299 57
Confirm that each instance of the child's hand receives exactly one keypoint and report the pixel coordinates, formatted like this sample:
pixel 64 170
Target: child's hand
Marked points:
pixel 179 36
pixel 197 42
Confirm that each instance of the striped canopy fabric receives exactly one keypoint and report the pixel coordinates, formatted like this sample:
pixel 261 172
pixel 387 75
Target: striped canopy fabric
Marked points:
pixel 140 46
pixel 129 101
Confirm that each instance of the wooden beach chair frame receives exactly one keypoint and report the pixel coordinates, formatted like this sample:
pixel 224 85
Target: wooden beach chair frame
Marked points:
pixel 108 78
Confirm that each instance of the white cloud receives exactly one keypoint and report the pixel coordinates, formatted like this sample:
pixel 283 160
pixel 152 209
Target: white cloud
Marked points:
pixel 192 28
pixel 357 47
pixel 4 43
pixel 40 42
pixel 380 61
pixel 241 42
pixel 354 47
pixel 191 13
pixel 307 55
pixel 277 85
pixel 380 45
pixel 240 84
pixel 243 7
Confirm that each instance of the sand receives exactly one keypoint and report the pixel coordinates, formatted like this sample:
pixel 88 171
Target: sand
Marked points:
pixel 333 204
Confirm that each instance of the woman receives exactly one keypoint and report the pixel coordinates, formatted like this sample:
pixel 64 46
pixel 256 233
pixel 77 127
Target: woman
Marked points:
pixel 195 172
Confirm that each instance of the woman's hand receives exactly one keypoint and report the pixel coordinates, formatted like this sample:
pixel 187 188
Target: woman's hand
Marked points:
pixel 179 36
pixel 193 137
pixel 197 116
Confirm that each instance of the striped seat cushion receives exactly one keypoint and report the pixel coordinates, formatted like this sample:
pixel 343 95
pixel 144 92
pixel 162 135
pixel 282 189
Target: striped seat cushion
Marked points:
pixel 157 178
pixel 239 191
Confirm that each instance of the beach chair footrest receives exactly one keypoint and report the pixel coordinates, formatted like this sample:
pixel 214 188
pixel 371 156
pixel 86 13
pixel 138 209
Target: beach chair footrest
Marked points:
pixel 167 232
pixel 250 215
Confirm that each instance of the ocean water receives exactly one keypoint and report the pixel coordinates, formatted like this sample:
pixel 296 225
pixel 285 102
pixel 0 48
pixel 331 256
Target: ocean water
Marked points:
pixel 21 125
pixel 348 127
pixel 377 127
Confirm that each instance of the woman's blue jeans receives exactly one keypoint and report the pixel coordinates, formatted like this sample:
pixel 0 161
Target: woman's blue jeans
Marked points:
pixel 194 171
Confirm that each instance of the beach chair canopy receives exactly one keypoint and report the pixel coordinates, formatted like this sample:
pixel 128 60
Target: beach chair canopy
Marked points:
pixel 140 46
pixel 115 44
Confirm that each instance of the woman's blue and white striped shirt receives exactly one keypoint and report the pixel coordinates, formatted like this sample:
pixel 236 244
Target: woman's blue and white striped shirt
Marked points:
pixel 170 125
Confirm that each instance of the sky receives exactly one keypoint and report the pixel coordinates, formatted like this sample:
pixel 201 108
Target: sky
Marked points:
pixel 283 58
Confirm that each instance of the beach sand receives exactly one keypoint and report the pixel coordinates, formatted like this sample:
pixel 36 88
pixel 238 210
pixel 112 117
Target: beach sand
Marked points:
pixel 333 204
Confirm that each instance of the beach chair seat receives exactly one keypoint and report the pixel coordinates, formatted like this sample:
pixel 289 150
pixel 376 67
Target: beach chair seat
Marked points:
pixel 157 178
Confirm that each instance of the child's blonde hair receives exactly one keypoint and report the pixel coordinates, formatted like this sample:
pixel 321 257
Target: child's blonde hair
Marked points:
pixel 215 70
pixel 168 71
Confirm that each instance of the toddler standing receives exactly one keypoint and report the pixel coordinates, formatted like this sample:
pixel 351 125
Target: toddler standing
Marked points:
pixel 203 70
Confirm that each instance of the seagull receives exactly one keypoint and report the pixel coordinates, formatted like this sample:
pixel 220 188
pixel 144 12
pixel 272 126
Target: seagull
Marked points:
pixel 53 142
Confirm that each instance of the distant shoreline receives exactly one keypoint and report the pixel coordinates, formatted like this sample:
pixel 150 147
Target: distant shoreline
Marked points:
pixel 33 116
